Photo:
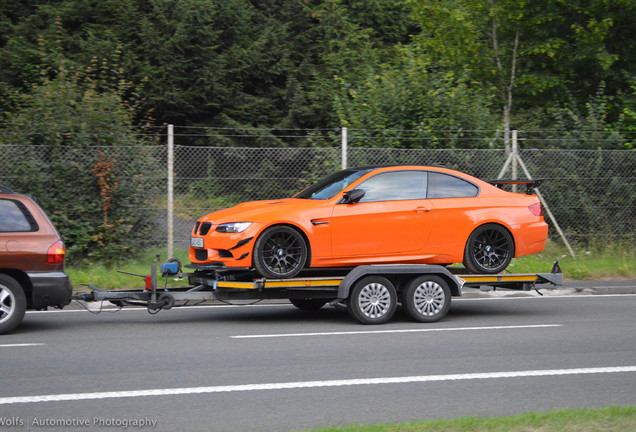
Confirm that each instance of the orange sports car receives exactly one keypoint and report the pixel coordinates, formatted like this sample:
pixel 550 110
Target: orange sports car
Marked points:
pixel 381 215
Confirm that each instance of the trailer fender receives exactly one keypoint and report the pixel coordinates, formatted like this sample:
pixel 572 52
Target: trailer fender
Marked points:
pixel 387 270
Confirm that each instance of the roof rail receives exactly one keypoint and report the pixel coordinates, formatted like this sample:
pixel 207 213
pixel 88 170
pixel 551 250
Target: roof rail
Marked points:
pixel 5 189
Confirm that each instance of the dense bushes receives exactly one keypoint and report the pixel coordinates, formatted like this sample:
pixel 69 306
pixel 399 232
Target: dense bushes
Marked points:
pixel 74 149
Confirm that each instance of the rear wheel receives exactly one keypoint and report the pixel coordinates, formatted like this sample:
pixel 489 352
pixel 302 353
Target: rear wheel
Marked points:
pixel 373 300
pixel 427 298
pixel 12 303
pixel 308 304
pixel 489 249
pixel 280 252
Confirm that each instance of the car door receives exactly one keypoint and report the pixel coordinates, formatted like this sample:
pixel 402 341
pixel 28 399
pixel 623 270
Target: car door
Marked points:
pixel 393 217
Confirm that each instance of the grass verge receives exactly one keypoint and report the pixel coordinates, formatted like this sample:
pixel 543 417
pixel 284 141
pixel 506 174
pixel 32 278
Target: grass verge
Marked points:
pixel 107 277
pixel 600 261
pixel 612 419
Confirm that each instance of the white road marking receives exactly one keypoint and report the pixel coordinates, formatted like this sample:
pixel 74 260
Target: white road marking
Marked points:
pixel 21 345
pixel 416 330
pixel 311 384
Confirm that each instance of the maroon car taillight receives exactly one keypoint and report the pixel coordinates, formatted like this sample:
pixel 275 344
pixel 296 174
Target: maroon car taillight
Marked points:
pixel 56 253
pixel 536 209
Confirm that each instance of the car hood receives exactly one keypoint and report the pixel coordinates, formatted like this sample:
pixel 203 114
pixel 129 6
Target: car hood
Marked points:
pixel 261 211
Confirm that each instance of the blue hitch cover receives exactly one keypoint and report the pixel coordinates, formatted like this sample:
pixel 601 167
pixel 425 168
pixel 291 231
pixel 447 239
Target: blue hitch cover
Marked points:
pixel 170 268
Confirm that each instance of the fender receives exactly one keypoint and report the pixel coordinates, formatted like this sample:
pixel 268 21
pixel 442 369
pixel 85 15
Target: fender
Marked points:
pixel 389 270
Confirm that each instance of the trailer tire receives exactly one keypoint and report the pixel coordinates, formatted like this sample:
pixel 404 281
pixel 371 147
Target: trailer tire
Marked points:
pixel 12 303
pixel 372 300
pixel 167 301
pixel 308 304
pixel 427 298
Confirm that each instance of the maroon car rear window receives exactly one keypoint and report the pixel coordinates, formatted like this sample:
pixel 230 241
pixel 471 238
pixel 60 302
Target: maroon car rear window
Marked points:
pixel 14 217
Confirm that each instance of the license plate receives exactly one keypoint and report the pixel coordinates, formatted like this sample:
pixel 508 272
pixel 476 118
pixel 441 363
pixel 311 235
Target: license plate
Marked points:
pixel 196 242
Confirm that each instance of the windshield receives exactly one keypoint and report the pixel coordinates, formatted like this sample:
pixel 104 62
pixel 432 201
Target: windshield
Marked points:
pixel 329 187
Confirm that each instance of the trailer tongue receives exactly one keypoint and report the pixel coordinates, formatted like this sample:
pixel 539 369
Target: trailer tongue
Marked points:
pixel 370 293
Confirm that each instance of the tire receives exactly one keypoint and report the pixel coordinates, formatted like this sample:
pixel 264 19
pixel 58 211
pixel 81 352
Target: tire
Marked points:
pixel 489 249
pixel 372 300
pixel 280 252
pixel 427 298
pixel 308 304
pixel 12 303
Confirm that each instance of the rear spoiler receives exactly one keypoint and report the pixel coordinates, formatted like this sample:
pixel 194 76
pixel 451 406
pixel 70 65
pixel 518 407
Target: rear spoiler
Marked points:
pixel 530 184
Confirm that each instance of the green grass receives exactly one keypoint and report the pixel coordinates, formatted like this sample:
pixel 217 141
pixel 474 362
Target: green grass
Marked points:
pixel 606 261
pixel 613 419
pixel 107 277
pixel 615 261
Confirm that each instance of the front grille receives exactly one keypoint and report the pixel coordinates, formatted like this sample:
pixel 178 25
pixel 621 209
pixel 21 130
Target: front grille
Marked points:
pixel 205 227
pixel 225 254
pixel 201 254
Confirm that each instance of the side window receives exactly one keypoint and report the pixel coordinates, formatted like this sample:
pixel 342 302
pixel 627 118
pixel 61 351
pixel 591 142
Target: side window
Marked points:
pixel 447 186
pixel 394 186
pixel 14 217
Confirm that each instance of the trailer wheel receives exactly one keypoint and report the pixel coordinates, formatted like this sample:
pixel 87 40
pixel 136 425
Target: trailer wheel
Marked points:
pixel 308 304
pixel 12 303
pixel 373 300
pixel 427 298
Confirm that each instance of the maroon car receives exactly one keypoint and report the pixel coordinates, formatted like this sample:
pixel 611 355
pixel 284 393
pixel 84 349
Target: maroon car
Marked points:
pixel 31 260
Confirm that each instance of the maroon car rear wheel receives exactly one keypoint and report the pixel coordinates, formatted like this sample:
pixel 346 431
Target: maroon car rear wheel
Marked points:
pixel 12 303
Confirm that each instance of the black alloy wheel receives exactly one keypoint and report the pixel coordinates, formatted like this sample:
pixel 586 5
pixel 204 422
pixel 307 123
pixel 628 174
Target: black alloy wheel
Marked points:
pixel 280 252
pixel 489 249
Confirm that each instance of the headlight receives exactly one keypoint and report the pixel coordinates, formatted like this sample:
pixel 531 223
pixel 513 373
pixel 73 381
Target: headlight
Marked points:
pixel 234 227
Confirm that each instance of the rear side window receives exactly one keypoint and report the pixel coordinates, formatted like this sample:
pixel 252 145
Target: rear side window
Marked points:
pixel 14 217
pixel 447 186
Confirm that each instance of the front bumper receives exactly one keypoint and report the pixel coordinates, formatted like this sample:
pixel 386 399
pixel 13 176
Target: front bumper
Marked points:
pixel 50 289
pixel 225 249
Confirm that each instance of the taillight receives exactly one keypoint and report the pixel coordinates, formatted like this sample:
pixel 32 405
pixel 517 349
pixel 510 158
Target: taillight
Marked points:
pixel 55 254
pixel 536 209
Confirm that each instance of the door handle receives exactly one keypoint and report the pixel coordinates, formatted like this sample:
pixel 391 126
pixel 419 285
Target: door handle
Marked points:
pixel 422 209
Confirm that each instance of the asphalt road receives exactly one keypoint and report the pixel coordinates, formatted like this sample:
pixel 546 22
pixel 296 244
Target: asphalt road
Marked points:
pixel 275 368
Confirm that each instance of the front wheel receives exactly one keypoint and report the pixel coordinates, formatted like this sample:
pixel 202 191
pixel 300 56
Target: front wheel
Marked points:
pixel 427 298
pixel 12 303
pixel 489 249
pixel 373 300
pixel 280 252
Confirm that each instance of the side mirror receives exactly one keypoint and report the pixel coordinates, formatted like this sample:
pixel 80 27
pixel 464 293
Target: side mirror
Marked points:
pixel 352 196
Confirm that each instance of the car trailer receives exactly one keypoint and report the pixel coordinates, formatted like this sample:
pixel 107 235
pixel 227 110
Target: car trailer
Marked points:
pixel 370 293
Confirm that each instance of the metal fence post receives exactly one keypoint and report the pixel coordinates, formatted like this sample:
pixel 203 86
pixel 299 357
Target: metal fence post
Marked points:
pixel 344 148
pixel 170 190
pixel 515 152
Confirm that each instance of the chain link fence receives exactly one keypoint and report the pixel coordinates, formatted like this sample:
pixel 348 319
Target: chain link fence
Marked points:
pixel 592 193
